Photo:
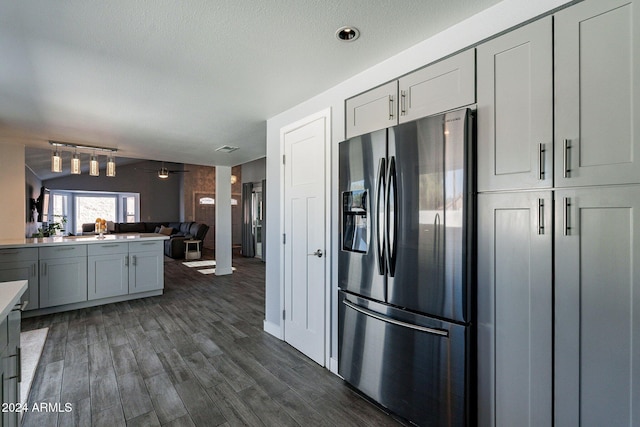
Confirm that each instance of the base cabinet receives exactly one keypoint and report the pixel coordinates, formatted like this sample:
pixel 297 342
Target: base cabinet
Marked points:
pixel 63 280
pixel 146 265
pixel 22 264
pixel 515 309
pixel 10 366
pixel 597 307
pixel 108 270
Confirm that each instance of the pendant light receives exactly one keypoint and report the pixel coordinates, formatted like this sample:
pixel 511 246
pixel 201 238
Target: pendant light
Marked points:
pixel 94 166
pixel 111 166
pixel 56 161
pixel 75 163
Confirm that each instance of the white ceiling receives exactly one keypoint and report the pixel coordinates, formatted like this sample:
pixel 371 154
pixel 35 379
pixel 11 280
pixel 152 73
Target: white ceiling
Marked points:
pixel 175 79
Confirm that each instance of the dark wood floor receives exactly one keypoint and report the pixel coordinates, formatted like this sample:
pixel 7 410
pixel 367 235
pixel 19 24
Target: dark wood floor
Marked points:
pixel 195 356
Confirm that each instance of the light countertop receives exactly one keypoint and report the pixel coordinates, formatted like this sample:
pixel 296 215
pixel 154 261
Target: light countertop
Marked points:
pixel 10 293
pixel 74 240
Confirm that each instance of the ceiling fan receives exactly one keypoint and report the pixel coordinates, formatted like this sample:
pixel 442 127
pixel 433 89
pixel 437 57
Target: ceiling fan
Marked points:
pixel 164 172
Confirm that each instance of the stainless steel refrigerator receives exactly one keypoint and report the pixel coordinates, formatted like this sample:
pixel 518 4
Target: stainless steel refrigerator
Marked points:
pixel 404 267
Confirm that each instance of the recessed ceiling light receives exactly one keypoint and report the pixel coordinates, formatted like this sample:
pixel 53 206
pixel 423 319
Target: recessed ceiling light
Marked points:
pixel 347 34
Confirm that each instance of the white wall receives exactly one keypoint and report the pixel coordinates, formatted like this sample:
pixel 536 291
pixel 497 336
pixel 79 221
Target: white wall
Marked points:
pixel 254 171
pixel 13 215
pixel 470 32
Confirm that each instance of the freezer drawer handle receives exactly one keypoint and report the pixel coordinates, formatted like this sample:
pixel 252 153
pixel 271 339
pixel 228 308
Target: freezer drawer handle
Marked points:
pixel 366 312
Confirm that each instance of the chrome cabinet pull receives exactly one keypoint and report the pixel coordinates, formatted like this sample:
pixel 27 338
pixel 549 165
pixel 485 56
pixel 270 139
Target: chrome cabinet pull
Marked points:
pixel 33 269
pixel 390 107
pixel 566 216
pixel 403 102
pixel 8 252
pixel 541 155
pixel 566 146
pixel 134 260
pixel 540 216
pixel 126 260
pixel 109 246
pixel 18 367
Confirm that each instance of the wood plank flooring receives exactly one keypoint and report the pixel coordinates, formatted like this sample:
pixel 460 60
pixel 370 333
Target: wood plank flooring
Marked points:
pixel 195 356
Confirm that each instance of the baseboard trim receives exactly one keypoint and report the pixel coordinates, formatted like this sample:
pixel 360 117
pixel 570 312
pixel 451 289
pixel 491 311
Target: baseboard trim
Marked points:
pixel 333 366
pixel 223 271
pixel 272 329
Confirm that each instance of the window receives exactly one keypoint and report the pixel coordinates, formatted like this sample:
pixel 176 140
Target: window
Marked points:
pixel 83 207
pixel 88 208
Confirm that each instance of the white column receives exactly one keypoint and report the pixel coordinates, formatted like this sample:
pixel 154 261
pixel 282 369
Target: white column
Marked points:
pixel 223 220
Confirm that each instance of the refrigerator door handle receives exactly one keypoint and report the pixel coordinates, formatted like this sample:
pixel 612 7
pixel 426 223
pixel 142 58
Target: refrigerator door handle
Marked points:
pixel 392 215
pixel 380 210
pixel 367 312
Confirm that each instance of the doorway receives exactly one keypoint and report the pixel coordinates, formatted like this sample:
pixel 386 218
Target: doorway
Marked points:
pixel 306 145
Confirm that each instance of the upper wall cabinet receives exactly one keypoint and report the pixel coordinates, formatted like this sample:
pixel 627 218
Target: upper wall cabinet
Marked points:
pixel 597 128
pixel 515 109
pixel 373 110
pixel 443 86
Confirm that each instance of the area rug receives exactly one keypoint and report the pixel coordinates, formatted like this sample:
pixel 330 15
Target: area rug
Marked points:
pixel 199 263
pixel 31 345
pixel 212 270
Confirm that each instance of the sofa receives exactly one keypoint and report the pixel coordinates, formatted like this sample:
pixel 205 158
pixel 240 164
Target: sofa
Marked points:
pixel 178 232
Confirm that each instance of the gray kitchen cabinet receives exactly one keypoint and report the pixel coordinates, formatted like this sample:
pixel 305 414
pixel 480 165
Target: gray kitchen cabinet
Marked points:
pixel 373 110
pixel 515 109
pixel 63 275
pixel 597 307
pixel 107 270
pixel 12 366
pixel 146 266
pixel 22 264
pixel 514 309
pixel 439 87
pixel 597 84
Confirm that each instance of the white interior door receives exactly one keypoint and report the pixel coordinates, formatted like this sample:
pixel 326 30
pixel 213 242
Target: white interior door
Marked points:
pixel 304 248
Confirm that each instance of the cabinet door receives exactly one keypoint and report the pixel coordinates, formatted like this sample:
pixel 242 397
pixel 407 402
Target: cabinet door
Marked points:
pixel 12 367
pixel 597 83
pixel 63 281
pixel 23 270
pixel 515 309
pixel 146 271
pixel 515 109
pixel 372 110
pixel 597 307
pixel 108 275
pixel 440 87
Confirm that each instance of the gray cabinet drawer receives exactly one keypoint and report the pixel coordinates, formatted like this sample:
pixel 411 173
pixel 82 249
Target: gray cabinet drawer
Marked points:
pixel 107 248
pixel 65 251
pixel 155 245
pixel 18 254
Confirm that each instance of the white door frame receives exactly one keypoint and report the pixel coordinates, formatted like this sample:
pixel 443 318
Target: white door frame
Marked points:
pixel 326 115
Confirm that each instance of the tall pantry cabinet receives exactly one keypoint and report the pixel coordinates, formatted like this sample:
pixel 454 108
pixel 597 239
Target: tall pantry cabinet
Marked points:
pixel 558 255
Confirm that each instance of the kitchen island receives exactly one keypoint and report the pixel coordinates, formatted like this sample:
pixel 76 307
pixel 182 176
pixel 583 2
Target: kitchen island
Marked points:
pixel 72 272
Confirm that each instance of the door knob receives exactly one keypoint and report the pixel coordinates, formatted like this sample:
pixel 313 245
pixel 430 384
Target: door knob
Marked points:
pixel 317 253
